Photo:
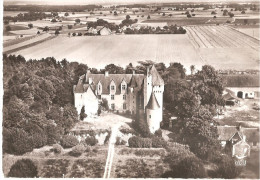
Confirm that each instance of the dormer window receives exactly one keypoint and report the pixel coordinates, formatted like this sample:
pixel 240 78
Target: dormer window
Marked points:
pixel 123 87
pixel 112 87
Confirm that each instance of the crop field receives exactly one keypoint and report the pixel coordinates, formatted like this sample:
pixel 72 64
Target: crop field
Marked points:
pixel 220 46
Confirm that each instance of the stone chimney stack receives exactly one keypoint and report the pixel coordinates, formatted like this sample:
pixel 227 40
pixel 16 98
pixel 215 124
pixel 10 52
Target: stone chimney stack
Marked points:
pixel 106 74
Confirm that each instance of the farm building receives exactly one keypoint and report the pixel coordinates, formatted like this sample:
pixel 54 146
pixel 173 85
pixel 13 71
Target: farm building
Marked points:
pixel 243 86
pixel 235 136
pixel 231 99
pixel 92 30
pixel 137 94
pixel 105 31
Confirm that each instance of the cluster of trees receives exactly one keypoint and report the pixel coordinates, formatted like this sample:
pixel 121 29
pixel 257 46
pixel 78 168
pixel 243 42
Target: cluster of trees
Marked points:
pixel 172 29
pixel 49 8
pixel 38 102
pixel 30 16
pixel 128 21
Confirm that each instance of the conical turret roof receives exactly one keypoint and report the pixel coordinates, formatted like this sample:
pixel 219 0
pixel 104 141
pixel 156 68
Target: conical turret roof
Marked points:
pixel 153 103
pixel 156 78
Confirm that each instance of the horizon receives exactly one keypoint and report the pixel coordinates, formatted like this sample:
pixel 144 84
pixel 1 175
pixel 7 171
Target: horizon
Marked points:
pixel 116 2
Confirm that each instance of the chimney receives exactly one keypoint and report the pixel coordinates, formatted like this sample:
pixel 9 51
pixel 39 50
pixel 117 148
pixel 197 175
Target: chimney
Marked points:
pixel 90 80
pixel 106 73
pixel 133 72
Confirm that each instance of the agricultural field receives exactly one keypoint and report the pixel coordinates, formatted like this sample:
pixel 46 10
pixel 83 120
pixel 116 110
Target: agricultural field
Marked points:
pixel 251 30
pixel 219 46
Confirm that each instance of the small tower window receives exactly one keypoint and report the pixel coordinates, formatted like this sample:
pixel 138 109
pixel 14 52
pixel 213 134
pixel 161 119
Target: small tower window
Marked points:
pixel 112 87
pixel 150 116
pixel 123 87
pixel 113 106
pixel 112 97
pixel 124 106
pixel 124 97
pixel 99 87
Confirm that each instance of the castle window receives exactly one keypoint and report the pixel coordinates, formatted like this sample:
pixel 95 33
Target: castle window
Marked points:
pixel 112 87
pixel 112 106
pixel 150 116
pixel 124 106
pixel 124 97
pixel 123 87
pixel 112 97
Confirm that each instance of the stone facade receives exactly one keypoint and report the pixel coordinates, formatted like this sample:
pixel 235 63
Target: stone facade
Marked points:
pixel 135 93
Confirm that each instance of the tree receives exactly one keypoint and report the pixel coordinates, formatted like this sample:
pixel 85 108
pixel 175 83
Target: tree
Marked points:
pixel 243 12
pixel 115 13
pixel 227 168
pixel 190 167
pixel 163 14
pixel 6 22
pixel 127 17
pixel 23 168
pixel 57 32
pixel 213 12
pixel 148 17
pixel 113 69
pixel 8 28
pixel 192 68
pixel 30 25
pixel 225 12
pixel 38 32
pixel 82 115
pixel 46 28
pixel 53 20
pixel 66 14
pixel 188 15
pixel 77 21
pixel 70 26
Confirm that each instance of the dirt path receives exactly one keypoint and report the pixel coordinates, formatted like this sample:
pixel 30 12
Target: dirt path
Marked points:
pixel 111 151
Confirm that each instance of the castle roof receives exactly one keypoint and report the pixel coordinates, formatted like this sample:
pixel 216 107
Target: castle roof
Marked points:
pixel 156 80
pixel 136 80
pixel 153 103
pixel 79 87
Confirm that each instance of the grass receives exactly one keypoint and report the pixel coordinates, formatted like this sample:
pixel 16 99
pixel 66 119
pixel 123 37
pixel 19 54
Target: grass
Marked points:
pixel 241 80
pixel 143 152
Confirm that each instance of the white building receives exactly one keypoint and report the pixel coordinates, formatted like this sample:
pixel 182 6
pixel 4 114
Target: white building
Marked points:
pixel 135 93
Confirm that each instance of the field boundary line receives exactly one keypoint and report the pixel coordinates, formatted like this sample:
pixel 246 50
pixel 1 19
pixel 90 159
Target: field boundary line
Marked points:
pixel 244 33
pixel 29 45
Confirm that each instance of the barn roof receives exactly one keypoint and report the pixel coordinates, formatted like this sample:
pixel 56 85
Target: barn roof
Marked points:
pixel 153 103
pixel 230 96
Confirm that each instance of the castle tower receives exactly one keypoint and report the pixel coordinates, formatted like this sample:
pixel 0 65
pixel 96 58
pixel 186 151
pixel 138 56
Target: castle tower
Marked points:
pixel 153 115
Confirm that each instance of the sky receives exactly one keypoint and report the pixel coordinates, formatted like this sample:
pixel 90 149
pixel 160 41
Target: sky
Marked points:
pixel 81 2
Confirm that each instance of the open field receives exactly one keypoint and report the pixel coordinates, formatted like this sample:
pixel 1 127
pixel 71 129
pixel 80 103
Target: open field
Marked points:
pixel 220 46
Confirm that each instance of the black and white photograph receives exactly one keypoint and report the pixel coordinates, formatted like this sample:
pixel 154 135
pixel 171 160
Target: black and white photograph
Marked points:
pixel 130 89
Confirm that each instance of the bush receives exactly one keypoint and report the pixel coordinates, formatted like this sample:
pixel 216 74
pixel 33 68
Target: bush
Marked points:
pixel 120 141
pixel 56 148
pixel 158 133
pixel 189 167
pixel 23 168
pixel 68 141
pixel 77 150
pixel 91 141
pixel 227 168
pixel 176 153
pixel 139 142
pixel 158 142
pixel 39 139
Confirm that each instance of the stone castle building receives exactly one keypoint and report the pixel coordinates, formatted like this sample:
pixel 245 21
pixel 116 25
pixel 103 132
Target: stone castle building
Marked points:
pixel 135 93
